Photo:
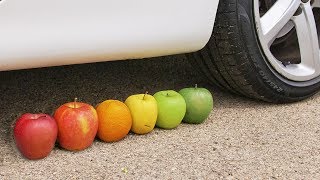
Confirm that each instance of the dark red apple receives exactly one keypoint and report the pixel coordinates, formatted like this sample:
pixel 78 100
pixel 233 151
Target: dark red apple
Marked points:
pixel 35 135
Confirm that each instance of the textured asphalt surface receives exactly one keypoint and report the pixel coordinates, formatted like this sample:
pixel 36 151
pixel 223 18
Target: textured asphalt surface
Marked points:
pixel 242 139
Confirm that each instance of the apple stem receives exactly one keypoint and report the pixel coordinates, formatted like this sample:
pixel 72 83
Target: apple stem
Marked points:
pixel 145 94
pixel 196 86
pixel 74 103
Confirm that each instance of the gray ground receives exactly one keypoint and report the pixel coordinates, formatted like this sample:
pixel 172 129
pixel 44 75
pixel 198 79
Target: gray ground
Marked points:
pixel 241 139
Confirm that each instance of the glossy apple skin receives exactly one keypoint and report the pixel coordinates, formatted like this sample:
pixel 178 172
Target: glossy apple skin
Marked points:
pixel 171 109
pixel 199 104
pixel 35 135
pixel 144 112
pixel 77 125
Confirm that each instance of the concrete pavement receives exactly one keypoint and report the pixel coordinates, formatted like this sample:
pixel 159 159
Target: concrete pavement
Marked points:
pixel 242 139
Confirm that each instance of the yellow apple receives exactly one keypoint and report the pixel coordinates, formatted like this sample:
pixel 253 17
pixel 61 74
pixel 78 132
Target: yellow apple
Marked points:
pixel 144 112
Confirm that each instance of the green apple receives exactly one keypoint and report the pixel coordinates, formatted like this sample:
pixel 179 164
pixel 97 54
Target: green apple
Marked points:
pixel 199 104
pixel 171 109
pixel 144 112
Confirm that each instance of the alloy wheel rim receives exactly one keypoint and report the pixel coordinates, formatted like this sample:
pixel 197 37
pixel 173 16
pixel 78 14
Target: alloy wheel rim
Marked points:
pixel 288 35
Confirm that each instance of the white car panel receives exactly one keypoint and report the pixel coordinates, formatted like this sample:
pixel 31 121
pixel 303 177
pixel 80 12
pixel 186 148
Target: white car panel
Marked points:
pixel 39 33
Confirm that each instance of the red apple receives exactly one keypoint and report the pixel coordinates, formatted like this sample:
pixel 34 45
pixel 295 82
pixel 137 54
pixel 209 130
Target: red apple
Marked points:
pixel 77 125
pixel 35 135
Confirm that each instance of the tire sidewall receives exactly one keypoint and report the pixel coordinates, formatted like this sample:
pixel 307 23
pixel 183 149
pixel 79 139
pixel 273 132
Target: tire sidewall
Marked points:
pixel 265 73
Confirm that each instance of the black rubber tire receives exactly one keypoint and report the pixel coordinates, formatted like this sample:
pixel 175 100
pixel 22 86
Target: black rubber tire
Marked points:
pixel 233 59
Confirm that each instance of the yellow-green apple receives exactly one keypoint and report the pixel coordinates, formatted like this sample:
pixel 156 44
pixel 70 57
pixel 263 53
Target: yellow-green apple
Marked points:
pixel 144 111
pixel 35 135
pixel 171 109
pixel 199 104
pixel 77 125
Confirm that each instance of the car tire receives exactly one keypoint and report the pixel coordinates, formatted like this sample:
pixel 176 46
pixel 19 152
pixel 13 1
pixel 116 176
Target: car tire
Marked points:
pixel 235 58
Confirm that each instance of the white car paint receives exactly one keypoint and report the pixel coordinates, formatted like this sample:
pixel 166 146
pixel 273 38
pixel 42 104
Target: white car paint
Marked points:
pixel 40 33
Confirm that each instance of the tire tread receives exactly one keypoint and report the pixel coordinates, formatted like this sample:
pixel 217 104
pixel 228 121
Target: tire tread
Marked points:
pixel 224 57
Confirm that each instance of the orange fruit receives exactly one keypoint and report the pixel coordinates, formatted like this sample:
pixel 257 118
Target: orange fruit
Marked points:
pixel 115 120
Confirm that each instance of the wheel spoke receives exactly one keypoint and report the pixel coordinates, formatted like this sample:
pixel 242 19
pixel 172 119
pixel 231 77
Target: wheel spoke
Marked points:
pixel 277 17
pixel 308 38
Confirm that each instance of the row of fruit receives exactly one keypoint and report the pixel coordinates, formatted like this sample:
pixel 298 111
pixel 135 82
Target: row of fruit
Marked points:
pixel 75 125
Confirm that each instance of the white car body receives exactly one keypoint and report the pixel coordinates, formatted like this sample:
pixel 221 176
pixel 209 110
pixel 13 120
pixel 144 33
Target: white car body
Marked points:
pixel 41 33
